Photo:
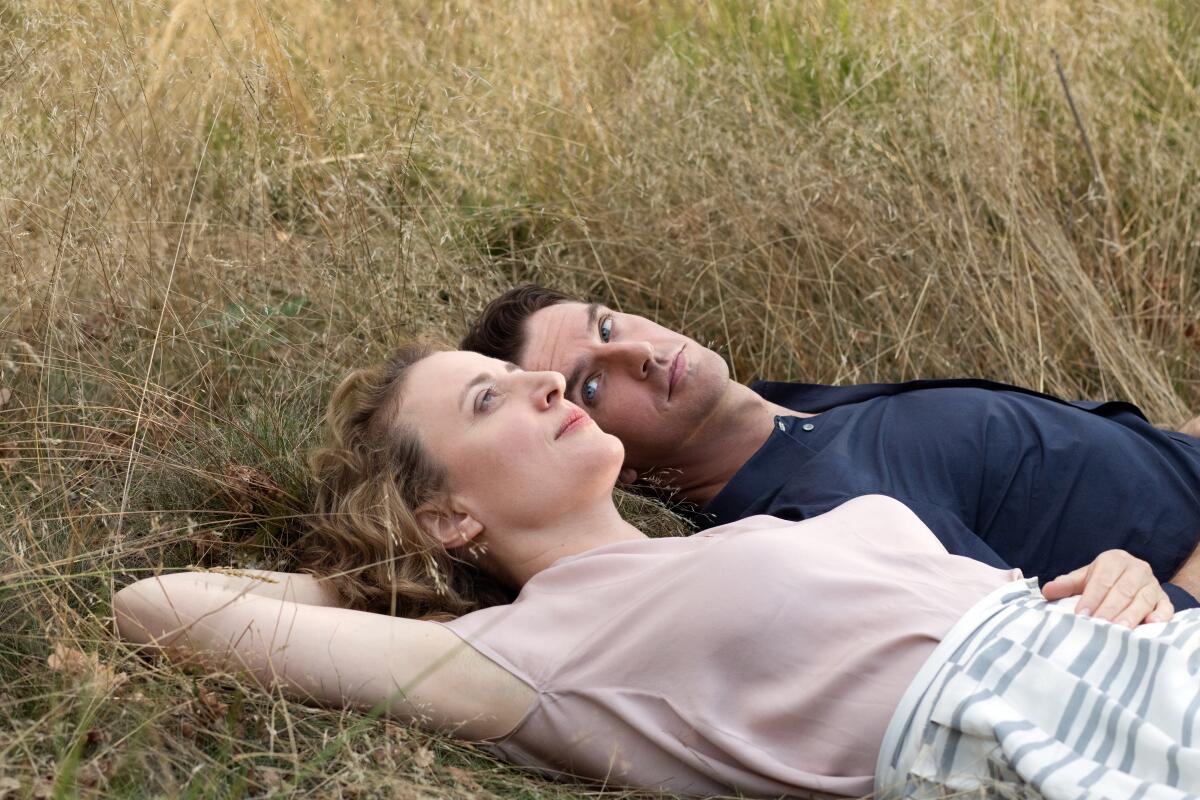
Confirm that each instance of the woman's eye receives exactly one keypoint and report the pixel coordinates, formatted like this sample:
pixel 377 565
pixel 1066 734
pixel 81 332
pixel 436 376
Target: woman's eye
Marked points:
pixel 606 329
pixel 589 390
pixel 485 400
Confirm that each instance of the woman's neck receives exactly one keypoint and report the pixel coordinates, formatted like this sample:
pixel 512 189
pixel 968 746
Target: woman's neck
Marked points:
pixel 516 556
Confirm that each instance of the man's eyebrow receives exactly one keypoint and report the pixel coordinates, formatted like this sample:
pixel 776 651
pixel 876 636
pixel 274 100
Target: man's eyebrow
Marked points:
pixel 481 378
pixel 593 311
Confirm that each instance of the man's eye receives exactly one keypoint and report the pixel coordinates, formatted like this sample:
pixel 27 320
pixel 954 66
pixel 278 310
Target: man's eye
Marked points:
pixel 606 329
pixel 589 390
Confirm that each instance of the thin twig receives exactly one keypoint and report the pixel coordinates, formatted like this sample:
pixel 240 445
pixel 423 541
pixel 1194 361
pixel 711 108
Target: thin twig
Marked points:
pixel 1110 209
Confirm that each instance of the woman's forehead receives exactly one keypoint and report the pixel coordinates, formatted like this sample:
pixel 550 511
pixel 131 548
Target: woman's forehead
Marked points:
pixel 445 374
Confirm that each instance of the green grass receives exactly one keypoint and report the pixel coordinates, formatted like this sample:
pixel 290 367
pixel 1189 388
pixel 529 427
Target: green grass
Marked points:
pixel 210 211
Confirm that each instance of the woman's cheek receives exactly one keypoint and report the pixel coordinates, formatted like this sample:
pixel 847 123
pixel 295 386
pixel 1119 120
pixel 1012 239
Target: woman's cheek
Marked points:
pixel 508 456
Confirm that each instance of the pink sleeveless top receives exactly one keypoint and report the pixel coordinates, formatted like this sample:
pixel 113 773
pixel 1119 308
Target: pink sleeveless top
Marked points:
pixel 763 657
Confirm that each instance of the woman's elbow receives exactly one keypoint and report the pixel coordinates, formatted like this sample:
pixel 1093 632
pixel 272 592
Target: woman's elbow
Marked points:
pixel 144 609
pixel 129 608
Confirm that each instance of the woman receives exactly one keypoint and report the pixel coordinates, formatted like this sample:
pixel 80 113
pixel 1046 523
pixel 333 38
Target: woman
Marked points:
pixel 766 657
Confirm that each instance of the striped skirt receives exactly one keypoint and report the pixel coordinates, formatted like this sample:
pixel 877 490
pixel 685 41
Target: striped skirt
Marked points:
pixel 1024 694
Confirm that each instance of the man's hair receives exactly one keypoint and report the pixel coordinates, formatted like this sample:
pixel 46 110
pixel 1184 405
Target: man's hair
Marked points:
pixel 499 332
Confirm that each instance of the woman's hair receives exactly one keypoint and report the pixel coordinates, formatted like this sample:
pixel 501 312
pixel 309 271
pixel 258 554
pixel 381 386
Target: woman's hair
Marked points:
pixel 371 476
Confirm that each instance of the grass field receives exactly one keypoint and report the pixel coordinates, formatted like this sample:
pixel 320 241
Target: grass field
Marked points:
pixel 209 210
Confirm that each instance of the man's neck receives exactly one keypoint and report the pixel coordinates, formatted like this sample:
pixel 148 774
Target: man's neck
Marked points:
pixel 721 445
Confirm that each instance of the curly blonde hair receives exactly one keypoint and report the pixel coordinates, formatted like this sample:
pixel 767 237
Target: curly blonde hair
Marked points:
pixel 371 476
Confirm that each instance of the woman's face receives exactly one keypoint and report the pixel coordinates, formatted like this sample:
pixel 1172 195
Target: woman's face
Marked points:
pixel 517 454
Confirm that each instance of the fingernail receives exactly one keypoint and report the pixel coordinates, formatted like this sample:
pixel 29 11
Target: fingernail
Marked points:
pixel 1083 611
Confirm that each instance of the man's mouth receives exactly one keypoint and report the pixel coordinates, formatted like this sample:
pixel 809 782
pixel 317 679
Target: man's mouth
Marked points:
pixel 678 368
pixel 574 419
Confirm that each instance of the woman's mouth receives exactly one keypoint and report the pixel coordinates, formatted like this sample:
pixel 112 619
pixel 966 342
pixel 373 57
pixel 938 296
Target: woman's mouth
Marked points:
pixel 575 418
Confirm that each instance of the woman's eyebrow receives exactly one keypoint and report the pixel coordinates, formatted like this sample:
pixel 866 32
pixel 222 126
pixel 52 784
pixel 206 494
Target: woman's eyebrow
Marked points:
pixel 482 378
pixel 478 379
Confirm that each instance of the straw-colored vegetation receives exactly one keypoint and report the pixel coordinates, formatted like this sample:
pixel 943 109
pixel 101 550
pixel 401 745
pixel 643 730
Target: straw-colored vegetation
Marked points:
pixel 210 209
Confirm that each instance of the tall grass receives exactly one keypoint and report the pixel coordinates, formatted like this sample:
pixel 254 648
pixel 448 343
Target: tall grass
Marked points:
pixel 210 210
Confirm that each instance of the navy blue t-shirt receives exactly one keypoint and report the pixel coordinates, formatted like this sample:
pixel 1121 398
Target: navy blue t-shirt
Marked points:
pixel 1001 474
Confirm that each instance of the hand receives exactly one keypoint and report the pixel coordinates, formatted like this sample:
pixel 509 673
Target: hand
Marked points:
pixel 1116 586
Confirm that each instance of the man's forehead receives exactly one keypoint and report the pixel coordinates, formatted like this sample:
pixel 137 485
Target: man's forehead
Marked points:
pixel 553 334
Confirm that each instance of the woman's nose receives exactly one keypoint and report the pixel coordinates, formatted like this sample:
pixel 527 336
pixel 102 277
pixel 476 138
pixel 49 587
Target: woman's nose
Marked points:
pixel 548 388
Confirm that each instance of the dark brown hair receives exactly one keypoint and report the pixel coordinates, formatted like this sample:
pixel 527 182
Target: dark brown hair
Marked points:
pixel 371 476
pixel 499 332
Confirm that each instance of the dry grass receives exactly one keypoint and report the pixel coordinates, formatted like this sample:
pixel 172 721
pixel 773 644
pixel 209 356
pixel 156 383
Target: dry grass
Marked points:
pixel 209 210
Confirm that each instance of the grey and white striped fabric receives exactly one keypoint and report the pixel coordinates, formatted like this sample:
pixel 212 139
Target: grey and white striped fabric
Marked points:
pixel 1026 694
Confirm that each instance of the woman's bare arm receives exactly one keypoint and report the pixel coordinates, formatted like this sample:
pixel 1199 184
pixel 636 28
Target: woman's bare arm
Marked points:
pixel 418 671
pixel 297 587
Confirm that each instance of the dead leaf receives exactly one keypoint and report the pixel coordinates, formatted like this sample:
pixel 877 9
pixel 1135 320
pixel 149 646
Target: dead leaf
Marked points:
pixel 252 486
pixel 9 456
pixel 465 779
pixel 85 670
pixel 9 787
pixel 206 544
pixel 423 758
pixel 162 427
pixel 44 788
pixel 5 396
pixel 210 704
pixel 99 325
pixel 100 444
pixel 93 775
pixel 30 353
pixel 270 779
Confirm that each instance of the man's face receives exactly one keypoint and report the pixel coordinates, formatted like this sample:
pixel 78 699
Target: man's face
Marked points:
pixel 648 386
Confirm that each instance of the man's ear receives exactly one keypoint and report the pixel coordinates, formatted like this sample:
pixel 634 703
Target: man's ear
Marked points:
pixel 451 528
pixel 627 475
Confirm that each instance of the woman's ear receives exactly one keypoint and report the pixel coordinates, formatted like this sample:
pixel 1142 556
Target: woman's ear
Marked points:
pixel 451 528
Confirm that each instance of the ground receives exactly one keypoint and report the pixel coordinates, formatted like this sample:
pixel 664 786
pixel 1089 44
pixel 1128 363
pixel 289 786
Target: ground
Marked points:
pixel 211 210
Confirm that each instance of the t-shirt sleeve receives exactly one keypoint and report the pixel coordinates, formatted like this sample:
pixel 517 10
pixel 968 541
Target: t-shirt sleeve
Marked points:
pixel 1180 598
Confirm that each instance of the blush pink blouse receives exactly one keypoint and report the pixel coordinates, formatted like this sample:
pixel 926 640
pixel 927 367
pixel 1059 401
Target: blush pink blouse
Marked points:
pixel 763 657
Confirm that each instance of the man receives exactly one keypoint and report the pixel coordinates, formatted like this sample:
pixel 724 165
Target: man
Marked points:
pixel 1002 474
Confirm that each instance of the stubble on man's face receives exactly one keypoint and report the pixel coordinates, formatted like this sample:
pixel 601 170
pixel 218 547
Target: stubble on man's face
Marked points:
pixel 649 386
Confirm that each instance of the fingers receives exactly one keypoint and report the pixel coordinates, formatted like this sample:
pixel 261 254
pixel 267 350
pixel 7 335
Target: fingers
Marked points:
pixel 1129 611
pixel 1123 589
pixel 1163 611
pixel 1067 585
pixel 1102 581
pixel 1116 587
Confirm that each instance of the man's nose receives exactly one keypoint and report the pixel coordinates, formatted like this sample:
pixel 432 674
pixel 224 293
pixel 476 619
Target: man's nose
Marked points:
pixel 635 357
